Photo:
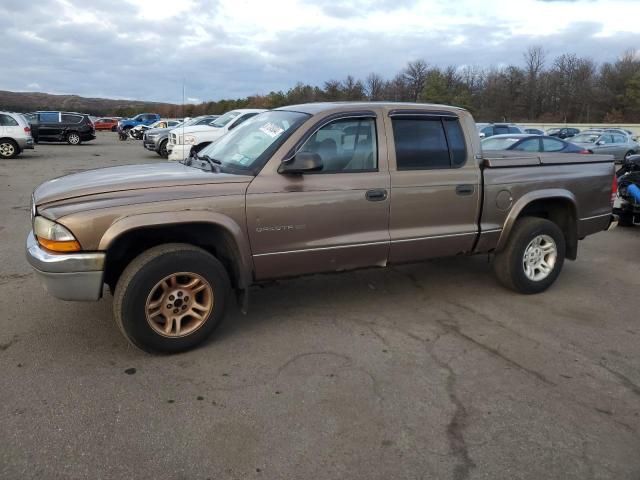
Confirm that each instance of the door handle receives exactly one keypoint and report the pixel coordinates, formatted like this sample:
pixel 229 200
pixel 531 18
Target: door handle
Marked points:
pixel 465 190
pixel 377 195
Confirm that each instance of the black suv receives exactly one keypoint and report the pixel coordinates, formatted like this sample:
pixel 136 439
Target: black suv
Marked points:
pixel 69 127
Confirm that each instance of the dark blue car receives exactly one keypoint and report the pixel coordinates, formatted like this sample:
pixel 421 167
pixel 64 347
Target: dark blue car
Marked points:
pixel 530 143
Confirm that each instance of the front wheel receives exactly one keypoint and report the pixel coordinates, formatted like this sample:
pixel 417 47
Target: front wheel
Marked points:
pixel 170 298
pixel 533 257
pixel 162 151
pixel 628 154
pixel 73 138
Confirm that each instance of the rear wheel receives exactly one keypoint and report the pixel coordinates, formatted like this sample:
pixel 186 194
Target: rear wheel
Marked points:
pixel 73 138
pixel 533 257
pixel 8 148
pixel 170 298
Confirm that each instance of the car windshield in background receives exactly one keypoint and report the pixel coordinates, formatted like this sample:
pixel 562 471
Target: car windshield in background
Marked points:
pixel 224 119
pixel 498 143
pixel 585 138
pixel 553 130
pixel 246 146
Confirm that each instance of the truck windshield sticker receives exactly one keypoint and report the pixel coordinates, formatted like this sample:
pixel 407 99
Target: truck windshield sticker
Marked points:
pixel 272 130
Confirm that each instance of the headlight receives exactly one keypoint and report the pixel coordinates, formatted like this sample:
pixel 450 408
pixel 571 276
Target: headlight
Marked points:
pixel 53 236
pixel 189 140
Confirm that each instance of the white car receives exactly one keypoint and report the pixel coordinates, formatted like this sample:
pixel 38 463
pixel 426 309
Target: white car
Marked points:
pixel 184 141
pixel 15 134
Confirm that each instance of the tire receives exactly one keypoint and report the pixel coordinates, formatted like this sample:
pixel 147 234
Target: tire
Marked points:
pixel 625 220
pixel 628 154
pixel 162 150
pixel 8 148
pixel 509 264
pixel 73 138
pixel 134 296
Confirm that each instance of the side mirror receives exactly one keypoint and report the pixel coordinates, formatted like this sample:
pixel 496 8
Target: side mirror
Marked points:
pixel 600 142
pixel 303 162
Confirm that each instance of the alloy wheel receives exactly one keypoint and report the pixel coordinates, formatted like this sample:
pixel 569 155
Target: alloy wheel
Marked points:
pixel 540 258
pixel 179 304
pixel 7 149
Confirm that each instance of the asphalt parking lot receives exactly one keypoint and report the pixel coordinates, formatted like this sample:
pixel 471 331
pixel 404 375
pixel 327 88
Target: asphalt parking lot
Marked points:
pixel 429 371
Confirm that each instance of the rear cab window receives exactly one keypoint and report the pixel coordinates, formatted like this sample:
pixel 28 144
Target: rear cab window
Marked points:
pixel 425 142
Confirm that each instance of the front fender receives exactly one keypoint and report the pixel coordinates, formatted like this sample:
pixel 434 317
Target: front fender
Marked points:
pixel 134 222
pixel 526 199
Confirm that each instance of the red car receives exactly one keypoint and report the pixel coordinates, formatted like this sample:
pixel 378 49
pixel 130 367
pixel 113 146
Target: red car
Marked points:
pixel 106 124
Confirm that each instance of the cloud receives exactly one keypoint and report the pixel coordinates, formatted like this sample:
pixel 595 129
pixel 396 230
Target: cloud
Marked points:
pixel 145 49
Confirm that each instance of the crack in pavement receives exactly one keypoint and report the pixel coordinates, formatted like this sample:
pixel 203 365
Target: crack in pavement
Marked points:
pixel 624 380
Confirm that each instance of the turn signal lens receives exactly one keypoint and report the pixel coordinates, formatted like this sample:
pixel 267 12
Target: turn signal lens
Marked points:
pixel 53 236
pixel 57 246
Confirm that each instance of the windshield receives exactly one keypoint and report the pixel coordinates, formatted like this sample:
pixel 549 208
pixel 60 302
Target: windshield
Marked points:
pixel 498 143
pixel 585 138
pixel 255 140
pixel 224 119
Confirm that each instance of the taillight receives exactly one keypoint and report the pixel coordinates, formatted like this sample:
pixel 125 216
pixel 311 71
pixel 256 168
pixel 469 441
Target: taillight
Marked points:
pixel 27 130
pixel 584 151
pixel 614 190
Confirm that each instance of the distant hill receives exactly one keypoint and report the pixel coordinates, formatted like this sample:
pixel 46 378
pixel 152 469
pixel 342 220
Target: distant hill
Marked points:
pixel 32 101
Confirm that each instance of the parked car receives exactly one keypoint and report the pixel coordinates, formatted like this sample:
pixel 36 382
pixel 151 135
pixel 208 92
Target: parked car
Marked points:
pixel 138 131
pixel 189 140
pixel 622 131
pixel 564 132
pixel 301 190
pixel 533 131
pixel 109 124
pixel 156 139
pixel 616 144
pixel 71 127
pixel 141 119
pixel 491 129
pixel 530 143
pixel 15 135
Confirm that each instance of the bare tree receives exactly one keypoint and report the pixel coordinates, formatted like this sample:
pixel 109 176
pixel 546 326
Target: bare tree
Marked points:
pixel 374 86
pixel 534 59
pixel 415 75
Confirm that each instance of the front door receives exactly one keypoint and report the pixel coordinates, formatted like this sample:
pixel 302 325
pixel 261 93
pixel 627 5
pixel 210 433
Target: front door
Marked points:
pixel 331 220
pixel 435 188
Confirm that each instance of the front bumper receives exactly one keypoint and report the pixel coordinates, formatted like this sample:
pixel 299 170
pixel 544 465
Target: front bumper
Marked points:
pixel 150 143
pixel 74 276
pixel 179 152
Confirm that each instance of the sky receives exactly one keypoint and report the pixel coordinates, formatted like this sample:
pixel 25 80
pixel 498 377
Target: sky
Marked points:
pixel 145 49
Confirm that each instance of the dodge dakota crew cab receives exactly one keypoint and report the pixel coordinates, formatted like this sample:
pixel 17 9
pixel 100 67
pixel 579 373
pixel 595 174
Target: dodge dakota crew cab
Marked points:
pixel 305 189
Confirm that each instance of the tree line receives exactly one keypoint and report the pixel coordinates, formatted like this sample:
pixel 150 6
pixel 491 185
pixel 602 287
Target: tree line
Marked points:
pixel 566 88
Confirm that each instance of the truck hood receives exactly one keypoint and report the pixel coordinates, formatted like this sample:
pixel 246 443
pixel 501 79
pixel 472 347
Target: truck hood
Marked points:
pixel 129 177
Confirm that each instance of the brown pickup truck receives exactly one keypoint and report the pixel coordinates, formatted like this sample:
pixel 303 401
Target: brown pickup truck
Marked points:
pixel 306 189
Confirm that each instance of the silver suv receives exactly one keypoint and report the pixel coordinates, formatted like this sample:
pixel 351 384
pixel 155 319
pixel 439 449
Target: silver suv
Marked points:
pixel 15 134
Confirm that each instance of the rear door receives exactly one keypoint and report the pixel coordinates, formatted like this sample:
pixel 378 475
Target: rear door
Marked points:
pixel 435 187
pixel 49 127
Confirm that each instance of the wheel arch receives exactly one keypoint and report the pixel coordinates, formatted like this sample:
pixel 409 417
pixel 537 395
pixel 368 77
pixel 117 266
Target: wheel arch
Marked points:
pixel 557 205
pixel 216 233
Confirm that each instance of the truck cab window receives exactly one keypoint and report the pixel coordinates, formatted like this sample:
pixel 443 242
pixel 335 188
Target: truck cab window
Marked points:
pixel 345 145
pixel 428 143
